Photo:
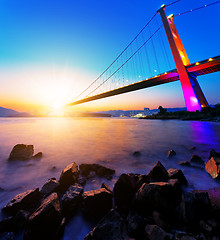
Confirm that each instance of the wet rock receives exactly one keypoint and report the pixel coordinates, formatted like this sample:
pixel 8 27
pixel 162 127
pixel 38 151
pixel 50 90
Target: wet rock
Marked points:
pixel 212 167
pixel 135 225
pixel 185 163
pixel 197 160
pixel 177 174
pixel 6 225
pixel 72 199
pixel 136 154
pixel 159 196
pixel 69 176
pixel 158 173
pixel 156 233
pixel 23 201
pixel 142 179
pixel 171 153
pixel 97 202
pixel 38 155
pixel 213 153
pixel 45 221
pixel 104 185
pixel 81 180
pixel 7 236
pixel 184 236
pixel 20 219
pixel 111 227
pixel 194 207
pixel 53 168
pixel 52 185
pixel 124 191
pixel 21 152
pixel 160 221
pixel 100 171
pixel 205 226
pixel 192 148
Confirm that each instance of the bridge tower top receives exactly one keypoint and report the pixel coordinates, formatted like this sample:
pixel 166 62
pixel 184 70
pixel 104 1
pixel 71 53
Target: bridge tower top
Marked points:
pixel 193 95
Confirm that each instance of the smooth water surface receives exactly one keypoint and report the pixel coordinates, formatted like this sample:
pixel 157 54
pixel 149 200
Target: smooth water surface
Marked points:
pixel 107 141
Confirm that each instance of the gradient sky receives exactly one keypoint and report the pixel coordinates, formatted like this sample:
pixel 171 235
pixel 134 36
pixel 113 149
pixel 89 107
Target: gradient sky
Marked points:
pixel 51 50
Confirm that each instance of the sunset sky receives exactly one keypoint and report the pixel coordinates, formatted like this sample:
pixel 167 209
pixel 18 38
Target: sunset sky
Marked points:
pixel 51 50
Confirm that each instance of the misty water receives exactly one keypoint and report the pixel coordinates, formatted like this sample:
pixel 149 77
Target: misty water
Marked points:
pixel 107 141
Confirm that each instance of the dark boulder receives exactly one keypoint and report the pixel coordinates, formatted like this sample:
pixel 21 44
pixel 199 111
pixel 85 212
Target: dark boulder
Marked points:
pixel 23 201
pixel 21 152
pixel 6 225
pixel 213 153
pixel 135 225
pixel 171 153
pixel 212 167
pixel 7 236
pixel 38 155
pixel 197 160
pixel 194 207
pixel 104 185
pixel 158 173
pixel 136 154
pixel 185 163
pixel 163 197
pixel 97 202
pixel 124 191
pixel 142 179
pixel 177 174
pixel 72 199
pixel 52 185
pixel 69 176
pixel 156 233
pixel 45 221
pixel 111 227
pixel 100 170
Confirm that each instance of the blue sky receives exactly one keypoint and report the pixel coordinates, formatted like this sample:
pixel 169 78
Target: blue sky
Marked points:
pixel 84 37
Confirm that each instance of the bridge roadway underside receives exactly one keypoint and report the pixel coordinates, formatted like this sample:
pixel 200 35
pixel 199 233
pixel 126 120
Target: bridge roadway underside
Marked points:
pixel 197 69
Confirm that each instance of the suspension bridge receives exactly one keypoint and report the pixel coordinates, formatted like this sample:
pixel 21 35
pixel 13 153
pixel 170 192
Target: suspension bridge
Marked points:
pixel 144 64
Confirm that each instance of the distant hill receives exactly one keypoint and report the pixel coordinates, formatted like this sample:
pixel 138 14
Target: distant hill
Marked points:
pixel 6 112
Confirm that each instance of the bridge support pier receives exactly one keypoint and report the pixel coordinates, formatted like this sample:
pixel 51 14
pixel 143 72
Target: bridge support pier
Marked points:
pixel 193 95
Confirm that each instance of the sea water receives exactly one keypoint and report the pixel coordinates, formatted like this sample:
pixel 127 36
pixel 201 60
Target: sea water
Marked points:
pixel 107 141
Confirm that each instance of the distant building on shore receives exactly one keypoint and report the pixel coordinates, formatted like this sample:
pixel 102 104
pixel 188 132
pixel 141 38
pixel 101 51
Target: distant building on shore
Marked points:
pixel 146 111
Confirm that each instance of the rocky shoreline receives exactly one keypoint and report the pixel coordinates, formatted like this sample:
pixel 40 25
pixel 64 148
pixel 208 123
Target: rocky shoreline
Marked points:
pixel 153 206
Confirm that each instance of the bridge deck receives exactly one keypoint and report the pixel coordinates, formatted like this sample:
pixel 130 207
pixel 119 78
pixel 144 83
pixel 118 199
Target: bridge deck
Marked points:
pixel 200 68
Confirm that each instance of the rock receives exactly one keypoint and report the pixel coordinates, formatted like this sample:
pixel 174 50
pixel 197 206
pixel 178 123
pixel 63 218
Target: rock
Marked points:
pixel 72 199
pixel 111 227
pixel 20 219
pixel 21 152
pixel 23 201
pixel 6 225
pixel 97 202
pixel 213 153
pixel 197 160
pixel 7 236
pixel 53 168
pixel 38 155
pixel 177 174
pixel 159 196
pixel 194 207
pixel 212 167
pixel 104 185
pixel 158 173
pixel 156 233
pixel 171 153
pixel 142 179
pixel 184 236
pixel 81 180
pixel 192 148
pixel 185 163
pixel 205 226
pixel 124 191
pixel 45 221
pixel 52 185
pixel 100 171
pixel 136 154
pixel 135 226
pixel 159 221
pixel 69 176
